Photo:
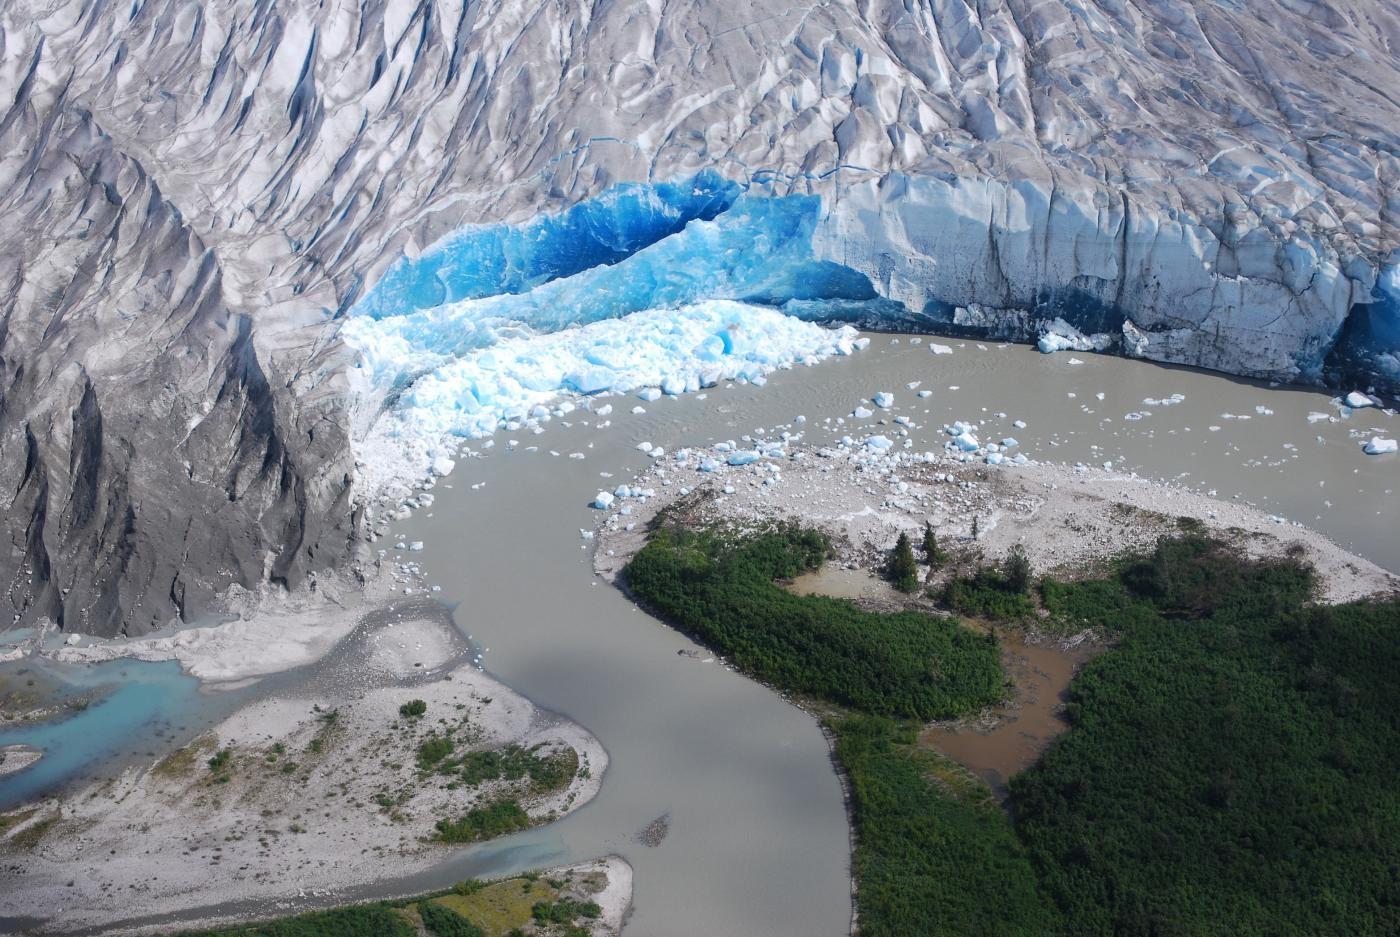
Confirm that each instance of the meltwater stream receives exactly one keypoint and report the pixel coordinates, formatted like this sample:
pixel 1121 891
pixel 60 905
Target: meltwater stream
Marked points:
pixel 757 841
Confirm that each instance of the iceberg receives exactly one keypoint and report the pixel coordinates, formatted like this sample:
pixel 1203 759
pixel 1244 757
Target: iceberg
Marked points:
pixel 1357 400
pixel 1378 446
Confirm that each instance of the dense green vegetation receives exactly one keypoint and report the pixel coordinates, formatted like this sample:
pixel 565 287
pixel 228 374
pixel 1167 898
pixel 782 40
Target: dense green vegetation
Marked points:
pixel 1232 763
pixel 934 853
pixel 1230 767
pixel 722 590
pixel 365 920
pixel 987 593
pixel 413 709
pixel 492 819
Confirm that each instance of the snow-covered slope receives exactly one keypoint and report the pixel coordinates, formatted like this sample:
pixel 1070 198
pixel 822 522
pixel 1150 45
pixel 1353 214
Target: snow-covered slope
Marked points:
pixel 196 194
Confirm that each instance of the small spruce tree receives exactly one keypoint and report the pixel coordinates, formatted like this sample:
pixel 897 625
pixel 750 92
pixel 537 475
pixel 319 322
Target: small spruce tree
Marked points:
pixel 1017 569
pixel 974 527
pixel 903 571
pixel 933 555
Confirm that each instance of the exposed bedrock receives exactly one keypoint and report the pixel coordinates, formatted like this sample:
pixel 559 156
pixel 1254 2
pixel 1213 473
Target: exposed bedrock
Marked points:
pixel 193 195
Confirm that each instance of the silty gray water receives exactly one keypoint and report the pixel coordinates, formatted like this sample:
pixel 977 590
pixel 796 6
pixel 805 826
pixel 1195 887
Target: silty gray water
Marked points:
pixel 757 842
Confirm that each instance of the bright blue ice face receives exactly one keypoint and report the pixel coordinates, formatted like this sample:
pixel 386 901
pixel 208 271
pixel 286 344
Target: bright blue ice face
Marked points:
pixel 494 259
pixel 634 248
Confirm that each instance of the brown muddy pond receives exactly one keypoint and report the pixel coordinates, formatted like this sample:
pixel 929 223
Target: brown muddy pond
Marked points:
pixel 1009 738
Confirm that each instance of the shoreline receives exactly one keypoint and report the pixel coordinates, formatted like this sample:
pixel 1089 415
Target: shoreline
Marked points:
pixel 830 488
pixel 334 739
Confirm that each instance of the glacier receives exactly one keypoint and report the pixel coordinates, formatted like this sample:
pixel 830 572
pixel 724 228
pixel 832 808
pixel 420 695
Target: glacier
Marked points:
pixel 505 384
pixel 205 200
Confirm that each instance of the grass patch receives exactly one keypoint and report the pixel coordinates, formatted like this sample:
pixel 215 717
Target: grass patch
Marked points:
pixel 501 907
pixel 721 589
pixel 34 833
pixel 9 821
pixel 182 761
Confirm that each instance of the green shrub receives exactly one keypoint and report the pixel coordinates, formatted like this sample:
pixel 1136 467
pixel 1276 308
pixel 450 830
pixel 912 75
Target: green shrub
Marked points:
pixel 987 594
pixel 493 819
pixel 413 709
pixel 433 749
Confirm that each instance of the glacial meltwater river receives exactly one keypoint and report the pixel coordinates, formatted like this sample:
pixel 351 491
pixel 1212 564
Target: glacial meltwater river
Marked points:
pixel 757 843
pixel 758 839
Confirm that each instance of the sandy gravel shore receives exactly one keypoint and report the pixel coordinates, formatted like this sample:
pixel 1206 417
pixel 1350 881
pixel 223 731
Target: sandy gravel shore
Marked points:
pixel 1069 519
pixel 311 791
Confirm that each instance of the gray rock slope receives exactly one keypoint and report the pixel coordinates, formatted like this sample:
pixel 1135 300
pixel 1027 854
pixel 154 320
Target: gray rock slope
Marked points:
pixel 193 194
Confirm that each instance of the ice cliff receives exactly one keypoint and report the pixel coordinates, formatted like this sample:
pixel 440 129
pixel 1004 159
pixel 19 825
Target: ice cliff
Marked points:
pixel 198 195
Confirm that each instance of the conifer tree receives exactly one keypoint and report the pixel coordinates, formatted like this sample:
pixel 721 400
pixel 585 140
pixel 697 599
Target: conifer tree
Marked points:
pixel 903 571
pixel 933 556
pixel 1017 569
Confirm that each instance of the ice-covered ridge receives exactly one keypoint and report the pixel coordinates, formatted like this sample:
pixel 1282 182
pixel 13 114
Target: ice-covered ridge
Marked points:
pixel 506 383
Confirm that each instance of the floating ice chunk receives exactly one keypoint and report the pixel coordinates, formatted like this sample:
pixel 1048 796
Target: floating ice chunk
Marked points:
pixel 966 441
pixel 1008 442
pixel 743 457
pixel 938 349
pixel 1076 361
pixel 884 400
pixel 416 545
pixel 604 410
pixel 1315 417
pixel 1059 335
pixel 913 385
pixel 799 419
pixel 878 443
pixel 649 394
pixel 709 465
pixel 1356 400
pixel 1019 424
pixel 861 344
pixel 1377 446
pixel 443 466
pixel 585 534
pixel 925 394
pixel 603 501
pixel 860 413
pixel 995 458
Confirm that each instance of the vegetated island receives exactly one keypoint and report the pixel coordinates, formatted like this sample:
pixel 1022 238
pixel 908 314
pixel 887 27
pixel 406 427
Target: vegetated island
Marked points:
pixel 393 748
pixel 1226 758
